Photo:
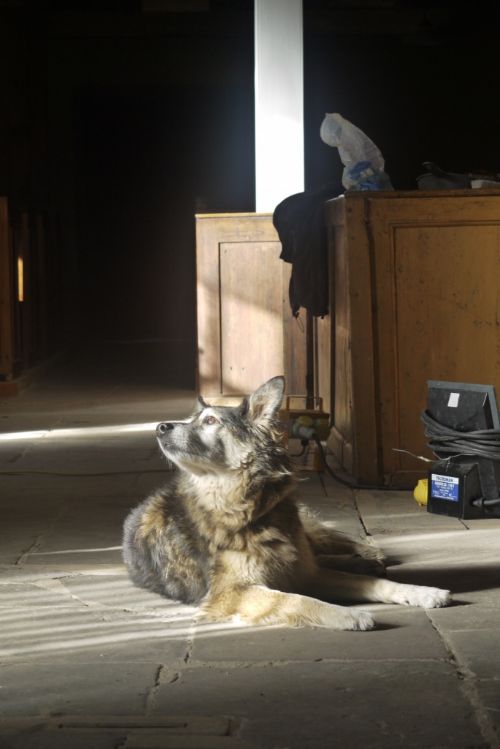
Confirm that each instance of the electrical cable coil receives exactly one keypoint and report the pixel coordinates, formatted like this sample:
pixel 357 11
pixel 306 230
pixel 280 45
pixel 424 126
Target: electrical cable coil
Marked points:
pixel 449 443
pixel 483 442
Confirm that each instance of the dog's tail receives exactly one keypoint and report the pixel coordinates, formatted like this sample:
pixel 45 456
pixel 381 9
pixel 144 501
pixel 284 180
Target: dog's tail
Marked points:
pixel 259 605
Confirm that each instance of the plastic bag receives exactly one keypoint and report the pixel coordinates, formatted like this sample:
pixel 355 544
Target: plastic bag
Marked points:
pixel 363 162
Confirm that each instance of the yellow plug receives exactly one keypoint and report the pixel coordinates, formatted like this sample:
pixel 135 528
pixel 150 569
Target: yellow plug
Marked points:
pixel 420 492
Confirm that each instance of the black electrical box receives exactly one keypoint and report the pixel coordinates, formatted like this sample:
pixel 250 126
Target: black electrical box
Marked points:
pixel 464 482
pixel 452 489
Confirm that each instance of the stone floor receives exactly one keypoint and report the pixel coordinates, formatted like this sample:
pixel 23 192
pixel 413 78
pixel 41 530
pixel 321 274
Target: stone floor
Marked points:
pixel 87 660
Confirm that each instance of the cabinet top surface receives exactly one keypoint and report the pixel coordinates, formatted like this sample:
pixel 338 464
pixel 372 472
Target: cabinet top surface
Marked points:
pixel 418 194
pixel 230 215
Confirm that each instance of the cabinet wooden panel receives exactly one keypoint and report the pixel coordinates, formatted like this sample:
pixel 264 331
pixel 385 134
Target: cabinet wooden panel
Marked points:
pixel 6 294
pixel 246 332
pixel 259 304
pixel 416 298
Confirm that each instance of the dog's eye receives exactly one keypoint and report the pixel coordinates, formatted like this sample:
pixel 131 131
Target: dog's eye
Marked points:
pixel 210 420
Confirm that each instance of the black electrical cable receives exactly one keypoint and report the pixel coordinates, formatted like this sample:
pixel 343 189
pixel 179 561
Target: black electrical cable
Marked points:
pixel 483 443
pixel 345 482
pixel 486 502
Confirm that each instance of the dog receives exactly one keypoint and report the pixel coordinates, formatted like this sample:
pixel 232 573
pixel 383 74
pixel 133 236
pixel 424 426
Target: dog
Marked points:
pixel 228 535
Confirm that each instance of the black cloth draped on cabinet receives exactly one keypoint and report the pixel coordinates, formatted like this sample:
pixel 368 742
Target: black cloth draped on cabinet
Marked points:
pixel 299 221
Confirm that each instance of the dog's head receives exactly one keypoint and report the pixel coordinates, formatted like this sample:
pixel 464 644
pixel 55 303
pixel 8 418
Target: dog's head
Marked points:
pixel 216 439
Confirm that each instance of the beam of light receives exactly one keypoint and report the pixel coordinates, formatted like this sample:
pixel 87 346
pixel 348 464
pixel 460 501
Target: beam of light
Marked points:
pixel 74 551
pixel 66 627
pixel 437 536
pixel 83 638
pixel 78 643
pixel 36 608
pixel 44 625
pixel 32 573
pixel 77 432
pixel 14 436
pixel 279 101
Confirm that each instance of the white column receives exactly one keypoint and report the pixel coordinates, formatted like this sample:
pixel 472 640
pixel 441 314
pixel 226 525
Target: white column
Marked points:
pixel 279 102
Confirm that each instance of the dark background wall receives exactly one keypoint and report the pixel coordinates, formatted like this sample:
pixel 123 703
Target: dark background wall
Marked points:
pixel 419 78
pixel 124 123
pixel 156 116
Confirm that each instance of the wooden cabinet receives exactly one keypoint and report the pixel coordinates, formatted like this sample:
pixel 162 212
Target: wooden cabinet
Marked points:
pixel 30 294
pixel 415 279
pixel 6 294
pixel 246 332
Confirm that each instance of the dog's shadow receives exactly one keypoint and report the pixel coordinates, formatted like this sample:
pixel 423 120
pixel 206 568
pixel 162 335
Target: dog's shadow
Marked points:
pixel 383 626
pixel 458 578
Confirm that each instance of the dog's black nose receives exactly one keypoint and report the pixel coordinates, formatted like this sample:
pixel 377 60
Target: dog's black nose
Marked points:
pixel 164 427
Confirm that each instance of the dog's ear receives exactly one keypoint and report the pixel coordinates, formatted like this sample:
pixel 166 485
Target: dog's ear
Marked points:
pixel 200 405
pixel 264 404
pixel 243 407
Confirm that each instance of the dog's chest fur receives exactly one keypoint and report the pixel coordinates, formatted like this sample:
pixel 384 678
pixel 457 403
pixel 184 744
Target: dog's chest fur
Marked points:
pixel 243 546
pixel 229 513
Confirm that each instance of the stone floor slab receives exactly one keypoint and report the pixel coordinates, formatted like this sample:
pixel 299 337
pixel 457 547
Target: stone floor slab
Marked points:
pixel 89 688
pixel 42 739
pixel 467 617
pixel 401 634
pixel 479 650
pixel 92 634
pixel 391 512
pixel 106 732
pixel 320 705
pixel 489 696
pixel 119 592
pixel 44 593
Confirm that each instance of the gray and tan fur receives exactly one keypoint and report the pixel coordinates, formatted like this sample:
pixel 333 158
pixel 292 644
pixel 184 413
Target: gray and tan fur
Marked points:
pixel 227 534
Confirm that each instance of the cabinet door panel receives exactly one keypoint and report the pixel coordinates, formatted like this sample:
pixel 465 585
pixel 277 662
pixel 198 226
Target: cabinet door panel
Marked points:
pixel 246 331
pixel 437 262
pixel 446 312
pixel 251 314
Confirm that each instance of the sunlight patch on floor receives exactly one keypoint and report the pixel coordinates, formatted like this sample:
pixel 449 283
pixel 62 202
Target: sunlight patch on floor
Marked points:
pixel 77 432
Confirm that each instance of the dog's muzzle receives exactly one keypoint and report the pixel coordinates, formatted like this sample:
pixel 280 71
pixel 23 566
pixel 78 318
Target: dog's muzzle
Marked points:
pixel 164 427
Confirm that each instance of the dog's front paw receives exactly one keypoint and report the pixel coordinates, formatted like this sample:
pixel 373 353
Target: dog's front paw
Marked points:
pixel 435 598
pixel 423 596
pixel 351 619
pixel 344 618
pixel 362 620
